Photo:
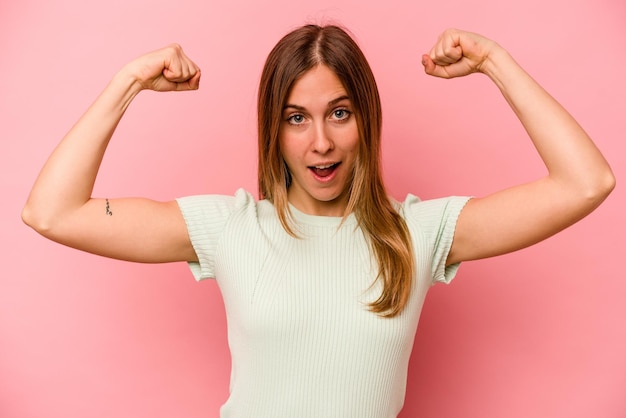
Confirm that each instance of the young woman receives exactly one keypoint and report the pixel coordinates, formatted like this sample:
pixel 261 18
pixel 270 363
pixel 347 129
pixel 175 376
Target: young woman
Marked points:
pixel 324 278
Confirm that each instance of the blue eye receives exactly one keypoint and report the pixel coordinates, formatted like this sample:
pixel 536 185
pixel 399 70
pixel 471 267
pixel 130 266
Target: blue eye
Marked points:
pixel 341 114
pixel 295 119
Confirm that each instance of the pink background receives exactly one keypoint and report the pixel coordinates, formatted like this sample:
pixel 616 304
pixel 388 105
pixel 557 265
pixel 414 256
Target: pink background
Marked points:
pixel 538 333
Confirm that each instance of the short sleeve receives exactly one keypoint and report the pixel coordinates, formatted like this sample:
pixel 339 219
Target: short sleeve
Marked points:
pixel 205 216
pixel 432 223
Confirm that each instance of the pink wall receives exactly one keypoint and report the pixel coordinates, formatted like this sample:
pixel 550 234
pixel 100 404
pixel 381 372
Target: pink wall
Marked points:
pixel 538 333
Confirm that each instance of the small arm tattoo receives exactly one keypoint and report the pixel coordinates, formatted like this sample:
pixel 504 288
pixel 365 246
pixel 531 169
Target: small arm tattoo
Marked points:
pixel 108 208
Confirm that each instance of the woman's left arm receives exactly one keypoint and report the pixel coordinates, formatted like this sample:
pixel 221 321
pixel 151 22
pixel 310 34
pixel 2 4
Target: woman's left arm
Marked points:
pixel 578 179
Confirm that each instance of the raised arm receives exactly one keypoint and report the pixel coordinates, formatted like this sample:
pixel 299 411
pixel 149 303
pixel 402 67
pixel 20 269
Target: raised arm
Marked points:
pixel 61 206
pixel 578 178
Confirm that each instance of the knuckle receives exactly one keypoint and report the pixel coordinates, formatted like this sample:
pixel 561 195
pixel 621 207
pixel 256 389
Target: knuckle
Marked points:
pixel 175 49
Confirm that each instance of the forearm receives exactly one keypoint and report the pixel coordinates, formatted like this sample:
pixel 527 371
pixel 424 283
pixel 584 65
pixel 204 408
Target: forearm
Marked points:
pixel 66 181
pixel 569 154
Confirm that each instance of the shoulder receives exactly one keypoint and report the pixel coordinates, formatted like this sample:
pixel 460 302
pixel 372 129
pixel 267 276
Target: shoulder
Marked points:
pixel 413 209
pixel 431 220
pixel 241 208
pixel 214 208
pixel 432 224
pixel 216 204
pixel 210 218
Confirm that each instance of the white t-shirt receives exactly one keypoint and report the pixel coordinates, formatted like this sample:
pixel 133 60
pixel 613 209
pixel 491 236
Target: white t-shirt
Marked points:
pixel 302 340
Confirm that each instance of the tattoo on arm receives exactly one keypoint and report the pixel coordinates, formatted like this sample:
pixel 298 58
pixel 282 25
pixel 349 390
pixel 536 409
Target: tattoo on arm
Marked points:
pixel 108 208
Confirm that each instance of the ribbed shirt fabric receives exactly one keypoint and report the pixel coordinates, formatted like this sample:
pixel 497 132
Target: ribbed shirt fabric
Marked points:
pixel 302 340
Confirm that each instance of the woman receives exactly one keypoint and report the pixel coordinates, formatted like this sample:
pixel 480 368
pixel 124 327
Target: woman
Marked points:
pixel 324 278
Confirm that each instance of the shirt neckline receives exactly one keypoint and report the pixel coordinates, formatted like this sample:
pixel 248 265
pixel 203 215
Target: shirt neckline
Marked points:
pixel 318 220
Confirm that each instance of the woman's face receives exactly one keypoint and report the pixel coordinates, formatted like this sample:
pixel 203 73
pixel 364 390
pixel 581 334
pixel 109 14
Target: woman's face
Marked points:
pixel 319 141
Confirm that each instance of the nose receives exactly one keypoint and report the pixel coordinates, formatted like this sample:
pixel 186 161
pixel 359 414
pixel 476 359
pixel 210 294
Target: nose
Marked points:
pixel 322 142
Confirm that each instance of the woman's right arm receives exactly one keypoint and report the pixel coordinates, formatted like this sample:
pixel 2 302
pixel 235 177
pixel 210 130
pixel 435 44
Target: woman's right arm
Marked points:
pixel 61 207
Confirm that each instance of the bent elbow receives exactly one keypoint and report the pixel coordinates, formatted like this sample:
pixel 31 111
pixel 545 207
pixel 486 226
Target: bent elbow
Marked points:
pixel 600 189
pixel 607 185
pixel 34 219
pixel 27 216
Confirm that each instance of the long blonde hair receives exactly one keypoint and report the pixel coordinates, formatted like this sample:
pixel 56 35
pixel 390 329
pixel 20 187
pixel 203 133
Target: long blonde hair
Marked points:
pixel 387 233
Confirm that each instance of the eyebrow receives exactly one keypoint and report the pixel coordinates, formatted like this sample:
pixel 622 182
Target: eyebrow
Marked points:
pixel 330 104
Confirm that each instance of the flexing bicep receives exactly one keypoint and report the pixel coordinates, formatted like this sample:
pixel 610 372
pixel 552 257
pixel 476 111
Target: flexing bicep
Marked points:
pixel 578 179
pixel 132 229
pixel 60 205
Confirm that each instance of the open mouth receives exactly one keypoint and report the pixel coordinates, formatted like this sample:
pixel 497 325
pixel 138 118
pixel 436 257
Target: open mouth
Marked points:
pixel 324 171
